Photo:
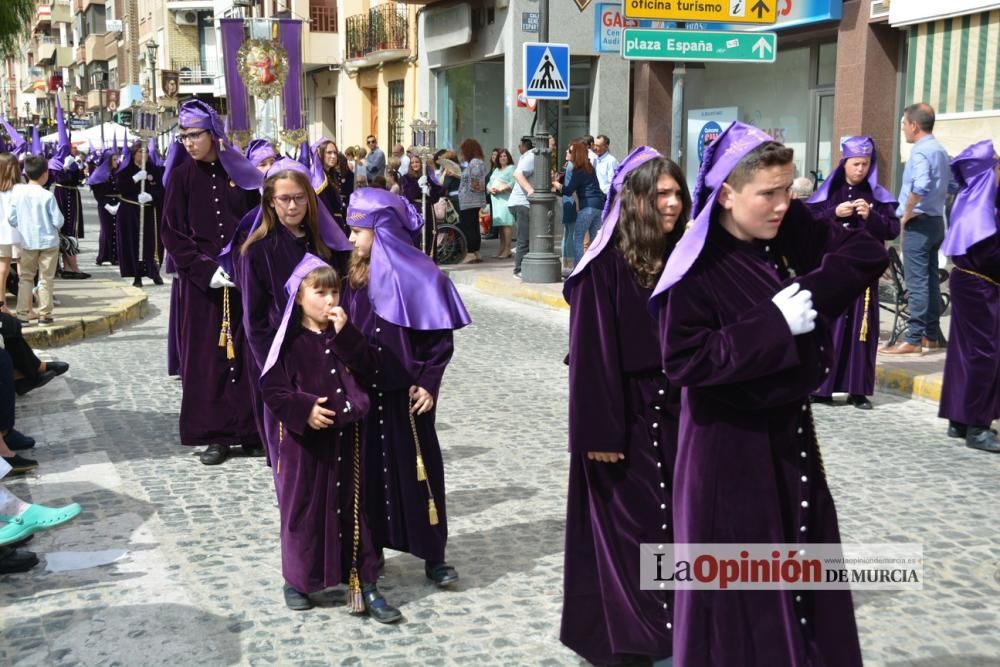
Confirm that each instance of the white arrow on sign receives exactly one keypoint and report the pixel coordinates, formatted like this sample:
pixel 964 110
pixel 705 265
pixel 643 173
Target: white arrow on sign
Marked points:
pixel 761 48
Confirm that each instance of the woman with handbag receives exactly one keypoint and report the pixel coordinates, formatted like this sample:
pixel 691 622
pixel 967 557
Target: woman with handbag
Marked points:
pixel 471 197
pixel 402 303
pixel 500 185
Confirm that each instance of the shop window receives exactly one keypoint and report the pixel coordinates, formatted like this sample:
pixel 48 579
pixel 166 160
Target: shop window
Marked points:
pixel 397 123
pixel 827 64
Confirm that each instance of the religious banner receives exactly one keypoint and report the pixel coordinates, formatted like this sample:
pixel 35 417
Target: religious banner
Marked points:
pixel 111 99
pixel 290 34
pixel 233 36
pixel 79 106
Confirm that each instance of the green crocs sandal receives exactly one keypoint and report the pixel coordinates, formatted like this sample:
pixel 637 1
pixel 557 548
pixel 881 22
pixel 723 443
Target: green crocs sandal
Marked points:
pixel 35 519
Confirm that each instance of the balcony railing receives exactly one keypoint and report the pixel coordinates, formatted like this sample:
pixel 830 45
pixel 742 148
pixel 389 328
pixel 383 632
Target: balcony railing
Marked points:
pixel 195 72
pixel 382 28
pixel 322 17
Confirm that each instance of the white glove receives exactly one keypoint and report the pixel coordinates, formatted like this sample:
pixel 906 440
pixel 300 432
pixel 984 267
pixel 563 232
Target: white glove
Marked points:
pixel 221 279
pixel 139 176
pixel 69 162
pixel 797 308
pixel 422 182
pixel 426 189
pixel 144 198
pixel 112 208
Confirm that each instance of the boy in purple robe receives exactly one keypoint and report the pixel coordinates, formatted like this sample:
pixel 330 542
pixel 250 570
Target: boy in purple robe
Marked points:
pixel 853 198
pixel 740 335
pixel 104 187
pixel 622 420
pixel 208 191
pixel 970 392
pixel 139 251
pixel 408 309
pixel 316 405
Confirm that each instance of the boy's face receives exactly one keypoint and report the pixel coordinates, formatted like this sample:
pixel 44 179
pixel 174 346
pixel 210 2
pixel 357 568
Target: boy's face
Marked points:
pixel 756 211
pixel 318 303
pixel 856 169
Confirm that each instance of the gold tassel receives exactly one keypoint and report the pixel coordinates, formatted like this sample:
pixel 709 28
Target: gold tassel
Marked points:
pixel 230 352
pixel 863 335
pixel 222 335
pixel 354 592
pixel 281 436
pixel 354 598
pixel 432 511
pixel 421 470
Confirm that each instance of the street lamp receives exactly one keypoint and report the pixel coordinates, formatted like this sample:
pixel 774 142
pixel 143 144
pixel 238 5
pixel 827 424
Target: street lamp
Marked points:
pixel 151 47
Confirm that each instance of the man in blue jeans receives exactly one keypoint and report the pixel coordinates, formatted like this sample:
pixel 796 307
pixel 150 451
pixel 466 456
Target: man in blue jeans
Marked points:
pixel 921 212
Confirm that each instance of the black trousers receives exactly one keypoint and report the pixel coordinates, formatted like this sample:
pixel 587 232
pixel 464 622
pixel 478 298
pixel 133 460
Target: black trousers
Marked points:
pixel 6 392
pixel 21 354
pixel 468 222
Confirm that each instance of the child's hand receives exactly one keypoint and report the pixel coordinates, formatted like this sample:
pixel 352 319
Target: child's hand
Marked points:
pixel 339 318
pixel 421 400
pixel 320 417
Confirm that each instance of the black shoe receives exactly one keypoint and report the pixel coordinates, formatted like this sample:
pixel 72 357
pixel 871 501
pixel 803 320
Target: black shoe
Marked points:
pixel 14 560
pixel 441 574
pixel 18 441
pixel 157 280
pixel 253 450
pixel 377 607
pixel 982 438
pixel 214 455
pixel 859 401
pixel 19 464
pixel 24 385
pixel 137 282
pixel 296 601
pixel 57 367
pixel 956 429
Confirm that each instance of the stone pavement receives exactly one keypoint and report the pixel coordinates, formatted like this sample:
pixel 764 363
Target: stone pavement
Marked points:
pixel 192 573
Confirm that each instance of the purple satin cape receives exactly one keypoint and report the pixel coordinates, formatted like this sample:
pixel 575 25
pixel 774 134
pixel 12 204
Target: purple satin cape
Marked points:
pixel 405 286
pixel 308 264
pixel 855 147
pixel 721 157
pixel 974 213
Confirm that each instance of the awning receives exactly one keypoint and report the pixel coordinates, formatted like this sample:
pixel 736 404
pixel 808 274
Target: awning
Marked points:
pixel 909 12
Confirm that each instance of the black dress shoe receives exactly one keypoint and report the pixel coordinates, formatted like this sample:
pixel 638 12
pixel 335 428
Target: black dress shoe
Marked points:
pixel 214 455
pixel 16 560
pixel 859 401
pixel 956 429
pixel 24 385
pixel 296 601
pixel 983 439
pixel 157 280
pixel 253 450
pixel 137 282
pixel 377 607
pixel 19 464
pixel 441 574
pixel 18 441
pixel 57 367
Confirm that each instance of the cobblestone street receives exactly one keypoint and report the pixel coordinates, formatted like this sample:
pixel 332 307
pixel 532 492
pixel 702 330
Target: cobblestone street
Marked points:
pixel 197 578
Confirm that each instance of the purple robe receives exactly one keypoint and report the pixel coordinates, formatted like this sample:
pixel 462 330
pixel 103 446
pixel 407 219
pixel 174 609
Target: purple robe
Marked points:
pixel 130 263
pixel 107 242
pixel 330 197
pixel 748 466
pixel 619 400
pixel 314 469
pixel 409 189
pixel 397 502
pixel 970 391
pixel 202 207
pixel 853 369
pixel 66 189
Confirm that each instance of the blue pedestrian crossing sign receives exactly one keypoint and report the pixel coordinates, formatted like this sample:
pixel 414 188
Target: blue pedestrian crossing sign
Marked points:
pixel 546 71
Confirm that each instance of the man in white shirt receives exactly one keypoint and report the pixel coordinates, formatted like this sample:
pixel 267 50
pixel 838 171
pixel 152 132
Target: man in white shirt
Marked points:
pixel 518 204
pixel 606 162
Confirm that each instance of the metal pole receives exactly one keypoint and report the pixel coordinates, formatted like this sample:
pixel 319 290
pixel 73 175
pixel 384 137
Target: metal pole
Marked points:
pixel 677 116
pixel 541 265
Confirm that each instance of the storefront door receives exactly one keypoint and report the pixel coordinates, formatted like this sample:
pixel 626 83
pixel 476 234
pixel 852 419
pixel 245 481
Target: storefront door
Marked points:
pixel 819 152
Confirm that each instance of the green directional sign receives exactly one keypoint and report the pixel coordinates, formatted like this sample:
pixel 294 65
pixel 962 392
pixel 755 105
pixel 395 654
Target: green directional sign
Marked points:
pixel 699 45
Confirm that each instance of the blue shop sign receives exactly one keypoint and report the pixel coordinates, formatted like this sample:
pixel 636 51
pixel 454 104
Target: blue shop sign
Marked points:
pixel 609 22
pixel 791 14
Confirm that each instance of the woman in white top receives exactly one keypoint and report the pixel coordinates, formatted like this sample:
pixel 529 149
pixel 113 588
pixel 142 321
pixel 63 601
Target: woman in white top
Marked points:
pixel 10 173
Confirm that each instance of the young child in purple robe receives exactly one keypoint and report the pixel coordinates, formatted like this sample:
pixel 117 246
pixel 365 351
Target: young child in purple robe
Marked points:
pixel 311 385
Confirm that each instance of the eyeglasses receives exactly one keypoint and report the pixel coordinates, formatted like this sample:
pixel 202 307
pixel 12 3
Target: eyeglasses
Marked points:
pixel 299 199
pixel 190 136
pixel 372 141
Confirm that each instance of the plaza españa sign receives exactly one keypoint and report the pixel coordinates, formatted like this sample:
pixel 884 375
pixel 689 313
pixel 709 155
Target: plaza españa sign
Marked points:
pixel 699 45
pixel 713 11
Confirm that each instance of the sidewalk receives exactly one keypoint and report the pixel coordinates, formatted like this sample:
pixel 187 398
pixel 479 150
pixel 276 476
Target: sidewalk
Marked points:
pixel 912 377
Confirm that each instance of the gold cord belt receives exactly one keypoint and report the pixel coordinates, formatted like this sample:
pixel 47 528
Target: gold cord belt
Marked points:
pixel 978 275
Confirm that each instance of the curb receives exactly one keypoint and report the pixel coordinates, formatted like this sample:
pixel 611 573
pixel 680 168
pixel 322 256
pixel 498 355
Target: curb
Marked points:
pixel 104 321
pixel 909 384
pixel 522 292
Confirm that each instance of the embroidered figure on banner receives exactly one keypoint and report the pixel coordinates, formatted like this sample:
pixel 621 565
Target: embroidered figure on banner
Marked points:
pixel 263 66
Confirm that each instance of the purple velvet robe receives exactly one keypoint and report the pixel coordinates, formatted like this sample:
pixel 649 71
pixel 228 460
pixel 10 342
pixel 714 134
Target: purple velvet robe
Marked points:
pixel 409 188
pixel 330 198
pixel 853 369
pixel 66 189
pixel 130 263
pixel 107 242
pixel 619 400
pixel 970 391
pixel 201 210
pixel 748 466
pixel 313 469
pixel 397 502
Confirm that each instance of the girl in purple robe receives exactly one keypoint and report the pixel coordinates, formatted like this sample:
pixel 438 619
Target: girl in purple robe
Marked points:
pixel 970 392
pixel 327 179
pixel 853 198
pixel 134 261
pixel 622 420
pixel 741 337
pixel 311 383
pixel 408 309
pixel 103 185
pixel 209 188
